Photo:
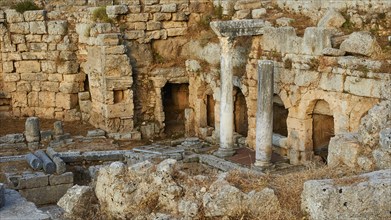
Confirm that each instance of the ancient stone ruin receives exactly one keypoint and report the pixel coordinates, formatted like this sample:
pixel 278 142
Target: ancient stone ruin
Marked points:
pixel 195 109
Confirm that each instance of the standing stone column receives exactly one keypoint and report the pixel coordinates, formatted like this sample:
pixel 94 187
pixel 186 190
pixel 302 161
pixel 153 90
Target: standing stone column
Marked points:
pixel 264 126
pixel 226 101
pixel 32 133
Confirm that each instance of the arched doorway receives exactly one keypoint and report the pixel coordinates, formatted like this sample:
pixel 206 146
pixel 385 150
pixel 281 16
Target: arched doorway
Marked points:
pixel 210 111
pixel 280 115
pixel 175 101
pixel 323 128
pixel 240 113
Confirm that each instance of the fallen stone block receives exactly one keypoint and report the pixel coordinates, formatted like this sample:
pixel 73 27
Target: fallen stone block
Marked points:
pixel 61 179
pixel 104 155
pixel 362 43
pixel 45 195
pixel 97 132
pixel 78 200
pixel 12 138
pixel 46 135
pixel 366 196
pixel 15 146
pixel 332 19
pixel 17 207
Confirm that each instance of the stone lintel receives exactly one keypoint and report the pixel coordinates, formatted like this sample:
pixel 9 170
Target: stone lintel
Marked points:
pixel 237 28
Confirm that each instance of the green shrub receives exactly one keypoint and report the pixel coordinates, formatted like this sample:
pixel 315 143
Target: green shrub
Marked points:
pixel 100 15
pixel 26 5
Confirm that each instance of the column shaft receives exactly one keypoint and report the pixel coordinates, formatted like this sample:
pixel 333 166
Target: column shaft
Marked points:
pixel 264 124
pixel 226 99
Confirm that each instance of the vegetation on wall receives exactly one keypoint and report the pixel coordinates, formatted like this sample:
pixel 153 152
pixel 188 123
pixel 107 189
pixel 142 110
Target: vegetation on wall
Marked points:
pixel 26 5
pixel 100 15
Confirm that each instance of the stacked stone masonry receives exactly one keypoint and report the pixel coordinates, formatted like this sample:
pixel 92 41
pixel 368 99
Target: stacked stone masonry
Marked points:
pixel 60 63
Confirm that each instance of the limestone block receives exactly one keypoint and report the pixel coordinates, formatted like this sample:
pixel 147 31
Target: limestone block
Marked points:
pixel 134 8
pixel 68 67
pixel 36 15
pixel 13 16
pixel 344 148
pixel 67 87
pixel 45 195
pixel 119 49
pixel 18 39
pixel 152 8
pixel 258 13
pixel 154 25
pixel 61 179
pixel 8 67
pixel 47 99
pixel 107 40
pixel 333 52
pixel 180 16
pixel 114 10
pixel 19 28
pixel 19 99
pixel 78 201
pixel 44 112
pixel 84 95
pixel 27 66
pixel 32 99
pixel 151 2
pixel 382 158
pixel 242 14
pixel 366 197
pixel 306 78
pixel 278 39
pixel 385 139
pixel 363 87
pixel 49 86
pixel 316 39
pixel 32 180
pixel 37 27
pixel 161 16
pixel 284 21
pixel 85 105
pixel 11 77
pixel 55 77
pixel 169 8
pixel 66 101
pixel 38 46
pixel 247 4
pixel 362 43
pixel 12 138
pixel 33 38
pixel 48 66
pixel 118 110
pixel 57 27
pixel 23 86
pixel 80 77
pixel 118 84
pixel 331 82
pixel 137 17
pixel 176 32
pixel 332 19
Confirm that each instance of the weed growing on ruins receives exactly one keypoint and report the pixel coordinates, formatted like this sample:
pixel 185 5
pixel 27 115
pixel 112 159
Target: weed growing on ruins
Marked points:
pixel 26 5
pixel 100 15
pixel 313 64
pixel 288 64
pixel 157 58
pixel 289 187
pixel 218 11
pixel 362 68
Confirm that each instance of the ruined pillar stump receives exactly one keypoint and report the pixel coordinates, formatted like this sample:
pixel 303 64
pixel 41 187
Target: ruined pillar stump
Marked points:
pixel 32 130
pixel 264 123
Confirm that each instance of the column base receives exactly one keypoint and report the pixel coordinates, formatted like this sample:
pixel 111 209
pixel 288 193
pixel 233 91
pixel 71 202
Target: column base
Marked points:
pixel 262 164
pixel 222 152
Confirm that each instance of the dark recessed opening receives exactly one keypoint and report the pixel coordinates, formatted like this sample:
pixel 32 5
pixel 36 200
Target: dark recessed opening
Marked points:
pixel 240 113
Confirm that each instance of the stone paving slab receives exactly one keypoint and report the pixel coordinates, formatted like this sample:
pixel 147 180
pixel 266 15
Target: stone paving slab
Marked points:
pixel 16 208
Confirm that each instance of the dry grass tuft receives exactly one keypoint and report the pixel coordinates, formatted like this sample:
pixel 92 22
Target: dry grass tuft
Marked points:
pixel 289 187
